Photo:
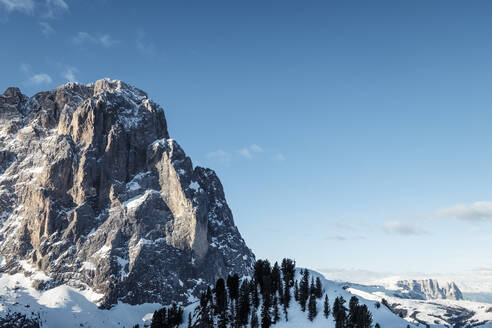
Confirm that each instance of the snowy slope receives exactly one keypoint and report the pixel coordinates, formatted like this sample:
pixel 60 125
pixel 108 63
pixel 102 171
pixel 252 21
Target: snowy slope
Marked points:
pixel 436 313
pixel 66 307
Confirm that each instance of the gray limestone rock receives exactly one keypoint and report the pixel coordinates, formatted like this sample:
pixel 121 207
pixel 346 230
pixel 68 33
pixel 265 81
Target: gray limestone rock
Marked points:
pixel 94 193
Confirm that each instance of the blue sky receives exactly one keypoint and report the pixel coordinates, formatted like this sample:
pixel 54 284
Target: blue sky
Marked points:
pixel 346 134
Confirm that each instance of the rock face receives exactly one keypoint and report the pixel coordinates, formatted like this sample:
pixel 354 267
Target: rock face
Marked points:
pixel 94 193
pixel 428 289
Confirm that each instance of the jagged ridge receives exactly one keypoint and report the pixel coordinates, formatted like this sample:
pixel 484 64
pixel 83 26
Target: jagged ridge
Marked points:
pixel 94 193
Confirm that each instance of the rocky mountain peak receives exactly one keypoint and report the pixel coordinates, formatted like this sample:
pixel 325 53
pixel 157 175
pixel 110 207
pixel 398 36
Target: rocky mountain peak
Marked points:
pixel 428 289
pixel 95 194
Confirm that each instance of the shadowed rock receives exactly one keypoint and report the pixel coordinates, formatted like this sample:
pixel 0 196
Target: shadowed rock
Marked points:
pixel 94 193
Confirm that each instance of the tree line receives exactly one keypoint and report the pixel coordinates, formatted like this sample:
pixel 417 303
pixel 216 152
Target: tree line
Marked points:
pixel 264 300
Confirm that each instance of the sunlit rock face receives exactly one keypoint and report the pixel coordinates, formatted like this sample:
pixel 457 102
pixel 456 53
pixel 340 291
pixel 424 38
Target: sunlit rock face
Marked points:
pixel 94 193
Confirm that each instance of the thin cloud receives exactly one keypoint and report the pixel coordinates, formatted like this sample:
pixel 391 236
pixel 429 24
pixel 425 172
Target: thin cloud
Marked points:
pixel 42 78
pixel 397 227
pixel 25 68
pixel 25 6
pixel 46 29
pixel 336 237
pixel 69 74
pixel 145 47
pixel 279 157
pixel 474 212
pixel 221 156
pixel 104 40
pixel 46 9
pixel 247 152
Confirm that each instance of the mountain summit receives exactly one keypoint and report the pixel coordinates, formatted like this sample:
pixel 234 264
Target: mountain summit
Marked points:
pixel 94 194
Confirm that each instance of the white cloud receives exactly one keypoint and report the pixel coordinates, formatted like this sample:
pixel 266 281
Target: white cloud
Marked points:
pixel 40 79
pixel 69 74
pixel 401 228
pixel 46 29
pixel 247 152
pixel 57 4
pixel 474 212
pixel 220 156
pixel 26 6
pixel 279 157
pixel 145 47
pixel 25 68
pixel 47 8
pixel 107 41
pixel 104 40
pixel 336 237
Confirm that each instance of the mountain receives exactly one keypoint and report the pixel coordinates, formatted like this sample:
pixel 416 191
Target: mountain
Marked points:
pixel 427 289
pixel 420 306
pixel 95 195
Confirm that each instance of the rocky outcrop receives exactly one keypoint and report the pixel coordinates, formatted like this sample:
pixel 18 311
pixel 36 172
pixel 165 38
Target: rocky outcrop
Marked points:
pixel 427 289
pixel 94 193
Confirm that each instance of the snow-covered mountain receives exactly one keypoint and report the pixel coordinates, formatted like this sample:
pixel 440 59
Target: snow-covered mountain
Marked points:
pixel 427 289
pixel 431 311
pixel 95 195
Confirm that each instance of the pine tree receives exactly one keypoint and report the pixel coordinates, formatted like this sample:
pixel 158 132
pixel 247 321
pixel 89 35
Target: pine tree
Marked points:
pixel 319 288
pixel 242 314
pixel 266 318
pixel 288 268
pixel 312 287
pixel 220 296
pixel 313 311
pixel 189 320
pixel 326 307
pixel 233 286
pixel 377 325
pixel 353 318
pixel 254 320
pixel 304 290
pixel 276 278
pixel 255 297
pixel 339 312
pixel 276 315
pixel 159 318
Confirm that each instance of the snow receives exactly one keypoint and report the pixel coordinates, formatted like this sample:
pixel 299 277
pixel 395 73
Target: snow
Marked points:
pixel 194 185
pixel 136 201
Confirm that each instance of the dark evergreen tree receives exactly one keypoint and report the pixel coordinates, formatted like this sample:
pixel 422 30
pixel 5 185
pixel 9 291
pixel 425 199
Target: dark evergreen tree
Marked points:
pixel 286 297
pixel 326 307
pixel 276 279
pixel 266 318
pixel 312 310
pixel 262 269
pixel 174 316
pixel 233 286
pixel 254 295
pixel 359 317
pixel 340 312
pixel 319 288
pixel 254 320
pixel 288 268
pixel 242 314
pixel 204 312
pixel 377 325
pixel 220 296
pixel 304 290
pixel 312 287
pixel 159 319
pixel 296 291
pixel 189 320
pixel 276 314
